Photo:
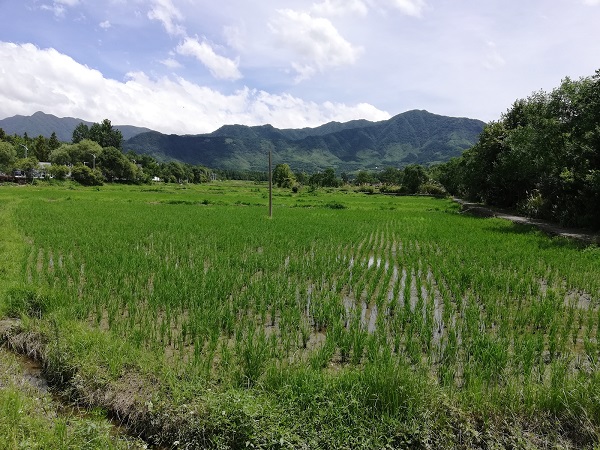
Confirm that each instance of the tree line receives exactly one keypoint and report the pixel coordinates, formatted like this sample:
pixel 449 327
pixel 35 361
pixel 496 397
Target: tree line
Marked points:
pixel 94 156
pixel 542 157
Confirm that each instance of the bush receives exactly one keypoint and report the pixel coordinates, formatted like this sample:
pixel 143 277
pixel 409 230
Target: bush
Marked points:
pixel 533 206
pixel 433 188
pixel 58 172
pixel 86 176
pixel 367 189
pixel 398 190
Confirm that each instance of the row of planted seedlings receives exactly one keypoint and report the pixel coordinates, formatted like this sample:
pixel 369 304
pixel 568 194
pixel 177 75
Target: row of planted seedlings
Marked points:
pixel 471 314
pixel 516 325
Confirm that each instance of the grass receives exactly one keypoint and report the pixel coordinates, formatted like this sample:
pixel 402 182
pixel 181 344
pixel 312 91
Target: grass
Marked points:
pixel 32 419
pixel 346 320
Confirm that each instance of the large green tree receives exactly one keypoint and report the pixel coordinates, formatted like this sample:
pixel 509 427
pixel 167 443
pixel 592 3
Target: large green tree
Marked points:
pixel 8 155
pixel 413 177
pixel 542 156
pixel 114 165
pixel 102 133
pixel 283 176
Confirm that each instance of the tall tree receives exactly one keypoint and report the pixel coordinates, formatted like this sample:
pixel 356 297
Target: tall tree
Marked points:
pixel 413 177
pixel 80 133
pixel 8 155
pixel 53 142
pixel 115 165
pixel 105 135
pixel 41 149
pixel 283 176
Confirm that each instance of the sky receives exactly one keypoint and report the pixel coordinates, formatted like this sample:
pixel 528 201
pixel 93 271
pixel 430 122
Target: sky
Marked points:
pixel 191 66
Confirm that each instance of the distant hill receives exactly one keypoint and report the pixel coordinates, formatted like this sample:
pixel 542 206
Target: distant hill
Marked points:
pixel 44 124
pixel 412 137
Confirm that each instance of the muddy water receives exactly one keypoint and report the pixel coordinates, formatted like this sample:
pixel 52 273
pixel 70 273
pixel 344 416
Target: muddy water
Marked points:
pixel 32 374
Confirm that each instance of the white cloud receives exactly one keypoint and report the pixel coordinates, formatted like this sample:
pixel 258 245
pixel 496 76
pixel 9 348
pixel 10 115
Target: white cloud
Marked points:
pixel 165 12
pixel 219 66
pixel 235 36
pixel 46 80
pixel 171 63
pixel 105 25
pixel 58 7
pixel 315 42
pixel 493 59
pixel 409 7
pixel 591 2
pixel 340 7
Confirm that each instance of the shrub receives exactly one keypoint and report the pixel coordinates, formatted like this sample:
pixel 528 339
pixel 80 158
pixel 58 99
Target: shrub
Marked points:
pixel 59 172
pixel 86 176
pixel 534 205
pixel 367 189
pixel 433 188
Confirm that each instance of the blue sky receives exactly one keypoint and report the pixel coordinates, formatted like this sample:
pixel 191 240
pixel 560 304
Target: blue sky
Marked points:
pixel 190 66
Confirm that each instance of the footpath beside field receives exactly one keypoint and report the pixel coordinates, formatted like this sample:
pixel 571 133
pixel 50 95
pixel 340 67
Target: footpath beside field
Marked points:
pixel 553 229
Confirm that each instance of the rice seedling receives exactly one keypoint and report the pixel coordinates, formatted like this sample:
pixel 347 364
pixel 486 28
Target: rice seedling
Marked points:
pixel 218 293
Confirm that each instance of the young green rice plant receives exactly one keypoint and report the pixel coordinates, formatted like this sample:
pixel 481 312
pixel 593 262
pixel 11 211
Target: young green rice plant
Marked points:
pixel 224 290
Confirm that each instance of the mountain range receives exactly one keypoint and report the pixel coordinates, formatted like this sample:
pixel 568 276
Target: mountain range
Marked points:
pixel 45 124
pixel 412 137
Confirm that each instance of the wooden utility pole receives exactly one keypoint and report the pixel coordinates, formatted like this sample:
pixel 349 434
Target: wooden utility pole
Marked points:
pixel 270 187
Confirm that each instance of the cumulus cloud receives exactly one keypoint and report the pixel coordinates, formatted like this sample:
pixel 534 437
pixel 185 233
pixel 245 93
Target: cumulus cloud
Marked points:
pixel 47 80
pixel 340 7
pixel 219 66
pixel 105 25
pixel 315 42
pixel 409 7
pixel 167 13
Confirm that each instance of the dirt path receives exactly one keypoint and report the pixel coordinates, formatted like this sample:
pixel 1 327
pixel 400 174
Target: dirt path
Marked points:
pixel 480 210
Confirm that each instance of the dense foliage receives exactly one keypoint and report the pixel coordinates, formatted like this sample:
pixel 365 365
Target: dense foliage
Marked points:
pixel 542 156
pixel 92 158
pixel 102 133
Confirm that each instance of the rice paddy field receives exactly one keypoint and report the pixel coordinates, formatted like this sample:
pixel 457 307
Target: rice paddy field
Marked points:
pixel 344 321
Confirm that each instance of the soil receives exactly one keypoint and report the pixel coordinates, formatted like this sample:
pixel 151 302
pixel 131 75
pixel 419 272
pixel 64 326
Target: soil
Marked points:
pixel 479 210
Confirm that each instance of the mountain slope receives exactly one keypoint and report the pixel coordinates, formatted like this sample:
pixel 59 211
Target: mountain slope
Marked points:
pixel 44 124
pixel 411 137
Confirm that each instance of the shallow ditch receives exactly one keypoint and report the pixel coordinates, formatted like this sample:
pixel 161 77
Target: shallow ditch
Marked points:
pixel 30 373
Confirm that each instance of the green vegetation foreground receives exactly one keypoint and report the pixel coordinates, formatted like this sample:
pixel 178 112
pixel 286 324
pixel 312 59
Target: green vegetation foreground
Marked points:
pixel 346 321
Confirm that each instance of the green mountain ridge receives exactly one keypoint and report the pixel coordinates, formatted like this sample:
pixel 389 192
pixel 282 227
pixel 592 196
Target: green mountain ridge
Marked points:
pixel 44 124
pixel 413 137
